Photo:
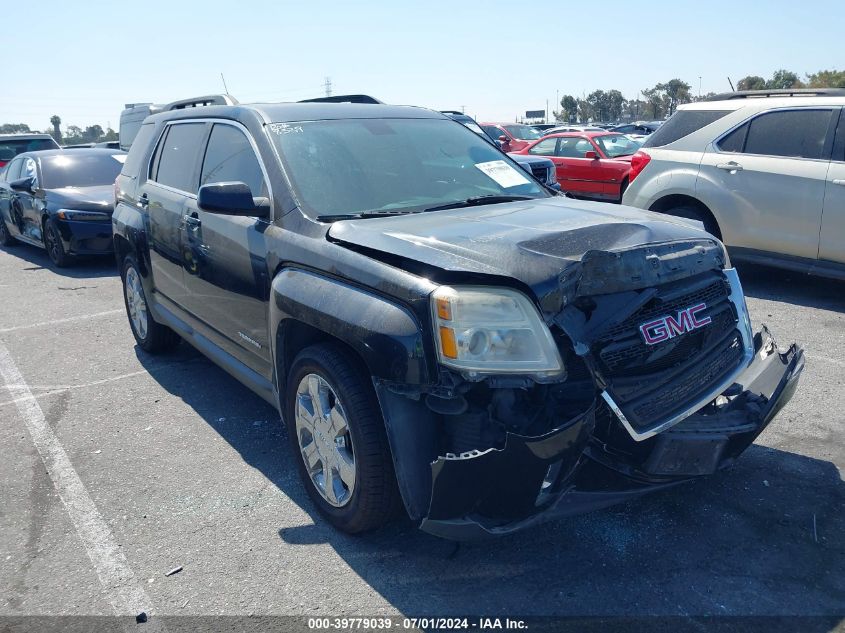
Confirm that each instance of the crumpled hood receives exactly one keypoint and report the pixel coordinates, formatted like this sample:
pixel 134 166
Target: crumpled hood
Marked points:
pixel 533 241
pixel 100 198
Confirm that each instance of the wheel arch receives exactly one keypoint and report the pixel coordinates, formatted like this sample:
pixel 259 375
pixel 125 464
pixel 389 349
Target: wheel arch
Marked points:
pixel 665 203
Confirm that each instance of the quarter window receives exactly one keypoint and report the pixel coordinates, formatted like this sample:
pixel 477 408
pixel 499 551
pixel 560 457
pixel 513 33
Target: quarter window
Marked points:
pixel 790 133
pixel 177 164
pixel 545 147
pixel 230 158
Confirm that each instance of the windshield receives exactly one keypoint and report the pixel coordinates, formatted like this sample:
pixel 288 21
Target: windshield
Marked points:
pixel 78 169
pixel 615 145
pixel 522 132
pixel 392 165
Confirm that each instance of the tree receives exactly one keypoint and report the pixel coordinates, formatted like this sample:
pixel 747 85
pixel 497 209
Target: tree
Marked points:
pixel 585 111
pixel 752 82
pixel 110 135
pixel 654 104
pixel 827 79
pixel 11 128
pixel 675 92
pixel 92 133
pixel 615 105
pixel 73 134
pixel 597 103
pixel 56 121
pixel 784 79
pixel 569 109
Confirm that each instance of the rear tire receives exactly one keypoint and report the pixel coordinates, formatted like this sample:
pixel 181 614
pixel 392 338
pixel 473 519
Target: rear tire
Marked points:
pixel 6 238
pixel 151 336
pixel 695 213
pixel 340 440
pixel 54 245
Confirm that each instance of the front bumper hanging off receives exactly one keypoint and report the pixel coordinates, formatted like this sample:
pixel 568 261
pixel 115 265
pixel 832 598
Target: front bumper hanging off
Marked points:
pixel 565 472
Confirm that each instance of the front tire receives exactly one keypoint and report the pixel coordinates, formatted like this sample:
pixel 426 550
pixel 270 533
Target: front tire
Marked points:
pixel 54 245
pixel 151 336
pixel 337 433
pixel 6 238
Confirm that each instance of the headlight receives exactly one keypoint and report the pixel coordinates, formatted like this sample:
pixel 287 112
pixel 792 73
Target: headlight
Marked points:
pixel 482 331
pixel 76 216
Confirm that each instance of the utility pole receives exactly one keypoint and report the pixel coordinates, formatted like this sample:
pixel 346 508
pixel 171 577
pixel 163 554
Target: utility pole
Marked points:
pixel 328 86
pixel 699 86
pixel 463 109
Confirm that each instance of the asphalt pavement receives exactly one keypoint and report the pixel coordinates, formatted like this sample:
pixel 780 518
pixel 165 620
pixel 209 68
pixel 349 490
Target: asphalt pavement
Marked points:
pixel 131 466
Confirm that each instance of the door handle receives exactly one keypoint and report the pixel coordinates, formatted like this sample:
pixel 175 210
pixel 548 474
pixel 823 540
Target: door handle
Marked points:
pixel 731 166
pixel 144 201
pixel 840 182
pixel 192 222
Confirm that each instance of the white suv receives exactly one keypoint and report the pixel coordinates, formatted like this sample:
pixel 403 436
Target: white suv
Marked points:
pixel 763 170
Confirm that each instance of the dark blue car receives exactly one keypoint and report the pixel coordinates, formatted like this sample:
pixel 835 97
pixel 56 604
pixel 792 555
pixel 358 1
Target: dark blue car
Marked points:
pixel 61 201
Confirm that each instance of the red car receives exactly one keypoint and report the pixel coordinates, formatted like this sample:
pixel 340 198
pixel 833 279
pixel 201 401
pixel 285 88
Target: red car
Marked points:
pixel 513 136
pixel 589 164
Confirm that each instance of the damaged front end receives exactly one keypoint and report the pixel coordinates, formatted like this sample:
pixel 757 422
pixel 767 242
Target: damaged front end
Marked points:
pixel 664 381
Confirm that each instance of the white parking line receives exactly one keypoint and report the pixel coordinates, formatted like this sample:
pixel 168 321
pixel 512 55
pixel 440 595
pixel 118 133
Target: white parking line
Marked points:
pixel 57 321
pixel 49 390
pixel 126 595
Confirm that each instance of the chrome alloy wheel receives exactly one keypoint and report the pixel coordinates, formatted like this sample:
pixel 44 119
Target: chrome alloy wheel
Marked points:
pixel 323 437
pixel 136 303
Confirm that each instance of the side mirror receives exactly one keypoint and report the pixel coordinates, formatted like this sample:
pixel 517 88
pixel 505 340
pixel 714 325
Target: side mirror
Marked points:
pixel 591 155
pixel 232 198
pixel 23 184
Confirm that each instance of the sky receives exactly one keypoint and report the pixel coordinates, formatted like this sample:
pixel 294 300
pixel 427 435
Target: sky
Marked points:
pixel 84 61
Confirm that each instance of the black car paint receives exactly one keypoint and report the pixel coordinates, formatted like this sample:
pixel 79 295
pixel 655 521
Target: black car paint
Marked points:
pixel 32 207
pixel 367 283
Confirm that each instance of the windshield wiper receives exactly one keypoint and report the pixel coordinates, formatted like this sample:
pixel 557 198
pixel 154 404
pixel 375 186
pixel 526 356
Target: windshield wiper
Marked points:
pixel 359 216
pixel 476 201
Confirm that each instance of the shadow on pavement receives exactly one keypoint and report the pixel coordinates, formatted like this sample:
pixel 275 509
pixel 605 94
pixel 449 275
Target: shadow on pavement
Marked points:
pixel 766 537
pixel 88 267
pixel 775 284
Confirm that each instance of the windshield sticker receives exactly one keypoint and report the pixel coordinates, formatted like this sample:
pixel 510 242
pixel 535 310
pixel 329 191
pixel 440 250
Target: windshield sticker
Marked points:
pixel 504 175
pixel 120 158
pixel 285 128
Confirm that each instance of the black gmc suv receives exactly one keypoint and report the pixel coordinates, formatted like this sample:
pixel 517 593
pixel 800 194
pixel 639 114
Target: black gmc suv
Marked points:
pixel 435 327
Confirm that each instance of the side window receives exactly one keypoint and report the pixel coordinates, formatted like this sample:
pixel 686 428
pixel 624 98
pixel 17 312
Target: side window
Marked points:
pixel 583 145
pixel 545 147
pixel 568 149
pixel 791 133
pixel 839 141
pixel 230 157
pixel 179 153
pixel 30 170
pixel 735 141
pixel 139 149
pixel 493 132
pixel 13 171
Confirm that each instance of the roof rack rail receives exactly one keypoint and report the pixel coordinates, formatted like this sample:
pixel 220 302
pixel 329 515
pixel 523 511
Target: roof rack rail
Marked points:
pixel 343 99
pixel 780 92
pixel 450 112
pixel 194 102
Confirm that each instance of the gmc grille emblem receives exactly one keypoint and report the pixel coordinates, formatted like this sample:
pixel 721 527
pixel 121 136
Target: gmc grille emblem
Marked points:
pixel 668 327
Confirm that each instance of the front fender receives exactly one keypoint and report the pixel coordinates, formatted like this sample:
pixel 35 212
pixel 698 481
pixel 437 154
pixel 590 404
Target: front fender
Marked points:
pixel 386 335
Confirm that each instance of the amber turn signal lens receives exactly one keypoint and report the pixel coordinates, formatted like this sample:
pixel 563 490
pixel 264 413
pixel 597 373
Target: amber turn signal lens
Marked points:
pixel 444 309
pixel 447 342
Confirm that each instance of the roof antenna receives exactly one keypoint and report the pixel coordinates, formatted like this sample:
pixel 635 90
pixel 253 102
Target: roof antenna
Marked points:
pixel 732 85
pixel 225 89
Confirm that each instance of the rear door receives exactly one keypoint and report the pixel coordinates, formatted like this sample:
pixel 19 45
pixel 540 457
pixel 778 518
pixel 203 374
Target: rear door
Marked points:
pixel 173 181
pixel 832 238
pixel 225 266
pixel 767 180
